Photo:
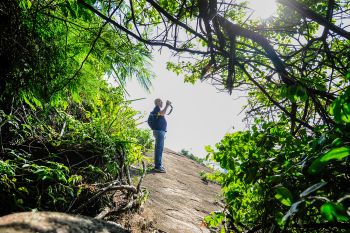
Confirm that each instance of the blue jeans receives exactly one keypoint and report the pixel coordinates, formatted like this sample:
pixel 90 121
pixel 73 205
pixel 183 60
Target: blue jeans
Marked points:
pixel 159 135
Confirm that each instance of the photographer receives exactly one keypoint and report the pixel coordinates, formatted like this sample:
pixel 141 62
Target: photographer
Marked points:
pixel 159 130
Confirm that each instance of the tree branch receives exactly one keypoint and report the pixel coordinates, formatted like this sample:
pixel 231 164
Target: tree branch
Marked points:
pixel 272 100
pixel 110 187
pixel 306 12
pixel 130 33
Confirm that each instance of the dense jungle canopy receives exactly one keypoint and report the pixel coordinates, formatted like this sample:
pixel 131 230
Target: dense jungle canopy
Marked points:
pixel 63 124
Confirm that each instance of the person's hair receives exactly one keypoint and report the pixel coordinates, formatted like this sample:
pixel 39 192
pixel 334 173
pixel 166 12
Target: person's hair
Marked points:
pixel 156 101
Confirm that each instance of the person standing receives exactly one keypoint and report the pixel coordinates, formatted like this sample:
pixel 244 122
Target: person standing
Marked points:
pixel 159 130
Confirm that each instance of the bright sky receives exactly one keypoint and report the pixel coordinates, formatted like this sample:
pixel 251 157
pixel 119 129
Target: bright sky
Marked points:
pixel 201 114
pixel 262 8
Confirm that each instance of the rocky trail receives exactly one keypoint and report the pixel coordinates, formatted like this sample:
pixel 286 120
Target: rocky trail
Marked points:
pixel 179 199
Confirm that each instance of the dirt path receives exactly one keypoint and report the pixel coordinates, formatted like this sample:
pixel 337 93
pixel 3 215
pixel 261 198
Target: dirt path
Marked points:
pixel 179 199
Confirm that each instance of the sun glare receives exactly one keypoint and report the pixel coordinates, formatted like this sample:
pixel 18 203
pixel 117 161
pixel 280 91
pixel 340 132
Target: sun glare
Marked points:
pixel 263 9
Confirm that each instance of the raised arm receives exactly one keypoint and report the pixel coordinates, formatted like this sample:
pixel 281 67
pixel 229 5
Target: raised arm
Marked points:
pixel 162 112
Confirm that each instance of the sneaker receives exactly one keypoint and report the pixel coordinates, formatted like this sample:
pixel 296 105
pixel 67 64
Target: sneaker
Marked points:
pixel 160 170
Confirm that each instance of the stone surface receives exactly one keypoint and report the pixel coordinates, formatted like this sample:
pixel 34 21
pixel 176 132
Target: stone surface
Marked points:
pixel 52 222
pixel 179 199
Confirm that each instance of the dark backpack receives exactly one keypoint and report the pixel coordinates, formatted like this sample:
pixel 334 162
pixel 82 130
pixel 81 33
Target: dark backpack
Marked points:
pixel 152 120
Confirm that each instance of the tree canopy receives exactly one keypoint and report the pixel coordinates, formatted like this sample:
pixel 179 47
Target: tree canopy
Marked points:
pixel 300 52
pixel 288 171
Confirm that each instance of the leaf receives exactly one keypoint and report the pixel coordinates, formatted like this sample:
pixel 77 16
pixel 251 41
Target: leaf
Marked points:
pixel 334 212
pixel 29 4
pixel 312 188
pixel 19 202
pixel 337 142
pixel 337 153
pixel 25 4
pixel 74 179
pixel 79 191
pixel 23 189
pixel 28 102
pixel 37 102
pixel 284 195
pixel 293 210
pixel 294 93
pixel 91 2
pixel 340 108
pixel 214 219
pixel 279 218
pixel 63 8
pixel 334 154
pixel 71 11
pixel 291 94
pixel 348 75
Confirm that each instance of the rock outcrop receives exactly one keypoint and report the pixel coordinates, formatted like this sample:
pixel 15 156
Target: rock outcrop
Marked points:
pixel 179 199
pixel 52 222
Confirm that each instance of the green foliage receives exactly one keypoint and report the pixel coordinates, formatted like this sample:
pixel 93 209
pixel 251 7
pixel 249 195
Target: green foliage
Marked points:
pixel 69 51
pixel 334 212
pixel 191 156
pixel 214 219
pixel 73 147
pixel 267 176
pixel 25 4
pixel 41 184
pixel 213 177
pixel 284 195
pixel 340 108
pixel 63 126
pixel 334 154
pixel 294 93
